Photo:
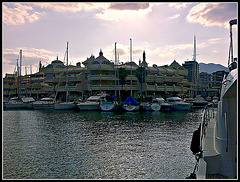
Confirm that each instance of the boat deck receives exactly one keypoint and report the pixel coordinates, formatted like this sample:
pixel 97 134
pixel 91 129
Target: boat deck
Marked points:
pixel 208 148
pixel 211 158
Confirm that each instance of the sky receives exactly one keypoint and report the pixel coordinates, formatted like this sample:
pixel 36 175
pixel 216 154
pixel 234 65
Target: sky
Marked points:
pixel 165 31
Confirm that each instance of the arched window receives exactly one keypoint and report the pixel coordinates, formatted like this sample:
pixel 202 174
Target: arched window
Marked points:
pixel 59 66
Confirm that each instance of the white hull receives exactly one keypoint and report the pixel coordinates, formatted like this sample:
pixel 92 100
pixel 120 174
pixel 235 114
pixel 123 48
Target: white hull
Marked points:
pixel 88 106
pixel 64 106
pixel 130 107
pixel 41 105
pixel 108 106
pixel 165 107
pixel 16 105
pixel 181 107
pixel 151 107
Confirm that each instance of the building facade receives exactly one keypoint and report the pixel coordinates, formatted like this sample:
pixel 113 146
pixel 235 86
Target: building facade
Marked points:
pixel 101 75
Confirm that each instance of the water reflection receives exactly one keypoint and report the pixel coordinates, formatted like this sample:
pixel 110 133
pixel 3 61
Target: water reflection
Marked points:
pixel 97 145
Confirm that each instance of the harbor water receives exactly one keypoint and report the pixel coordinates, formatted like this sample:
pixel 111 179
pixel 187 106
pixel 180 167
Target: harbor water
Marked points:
pixel 43 144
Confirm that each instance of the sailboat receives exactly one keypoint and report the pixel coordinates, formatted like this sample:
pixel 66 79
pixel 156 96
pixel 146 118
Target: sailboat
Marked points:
pixel 111 103
pixel 65 105
pixel 130 104
pixel 215 142
pixel 19 102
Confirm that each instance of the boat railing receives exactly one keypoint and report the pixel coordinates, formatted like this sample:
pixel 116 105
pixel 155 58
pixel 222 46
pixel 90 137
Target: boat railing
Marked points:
pixel 208 114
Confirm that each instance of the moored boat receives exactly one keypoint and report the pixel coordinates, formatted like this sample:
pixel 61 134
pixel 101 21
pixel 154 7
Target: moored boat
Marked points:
pixel 65 106
pixel 16 103
pixel 92 103
pixel 110 104
pixel 130 104
pixel 178 104
pixel 164 105
pixel 199 102
pixel 44 103
pixel 154 106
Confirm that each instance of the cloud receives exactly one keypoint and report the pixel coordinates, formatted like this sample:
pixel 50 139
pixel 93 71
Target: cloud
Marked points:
pixel 124 11
pixel 214 40
pixel 178 5
pixel 124 52
pixel 128 6
pixel 72 7
pixel 174 16
pixel 173 50
pixel 30 55
pixel 215 52
pixel 19 14
pixel 213 14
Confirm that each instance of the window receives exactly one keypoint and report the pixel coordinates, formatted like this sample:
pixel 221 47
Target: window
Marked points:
pixel 105 62
pixel 95 62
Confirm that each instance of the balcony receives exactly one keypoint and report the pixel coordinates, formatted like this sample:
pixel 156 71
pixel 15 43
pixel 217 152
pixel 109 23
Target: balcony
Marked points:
pixel 48 89
pixel 63 88
pixel 133 77
pixel 101 77
pixel 172 79
pixel 100 67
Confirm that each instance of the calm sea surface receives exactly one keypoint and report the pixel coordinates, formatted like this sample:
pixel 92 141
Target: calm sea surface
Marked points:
pixel 98 145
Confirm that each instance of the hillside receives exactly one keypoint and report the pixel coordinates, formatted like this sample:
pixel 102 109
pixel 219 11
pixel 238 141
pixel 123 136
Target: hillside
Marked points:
pixel 211 67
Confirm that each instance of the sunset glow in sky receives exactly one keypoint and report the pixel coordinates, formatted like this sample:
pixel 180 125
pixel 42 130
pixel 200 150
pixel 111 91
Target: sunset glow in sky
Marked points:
pixel 164 30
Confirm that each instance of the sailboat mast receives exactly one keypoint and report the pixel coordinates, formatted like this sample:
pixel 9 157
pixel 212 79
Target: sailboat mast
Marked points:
pixel 67 77
pixel 119 93
pixel 20 70
pixel 131 63
pixel 115 52
pixel 18 79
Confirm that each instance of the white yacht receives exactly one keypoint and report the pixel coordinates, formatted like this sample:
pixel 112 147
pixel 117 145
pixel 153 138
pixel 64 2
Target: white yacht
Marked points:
pixel 16 103
pixel 164 105
pixel 92 103
pixel 216 144
pixel 44 103
pixel 178 104
pixel 199 102
pixel 154 106
pixel 65 106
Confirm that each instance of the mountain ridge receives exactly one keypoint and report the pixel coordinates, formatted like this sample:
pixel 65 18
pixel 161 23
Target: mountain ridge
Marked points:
pixel 211 67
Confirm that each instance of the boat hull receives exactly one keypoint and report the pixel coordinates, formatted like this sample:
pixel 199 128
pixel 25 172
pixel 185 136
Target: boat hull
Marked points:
pixel 151 107
pixel 165 107
pixel 199 104
pixel 16 105
pixel 109 106
pixel 130 108
pixel 65 106
pixel 181 107
pixel 88 107
pixel 43 106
